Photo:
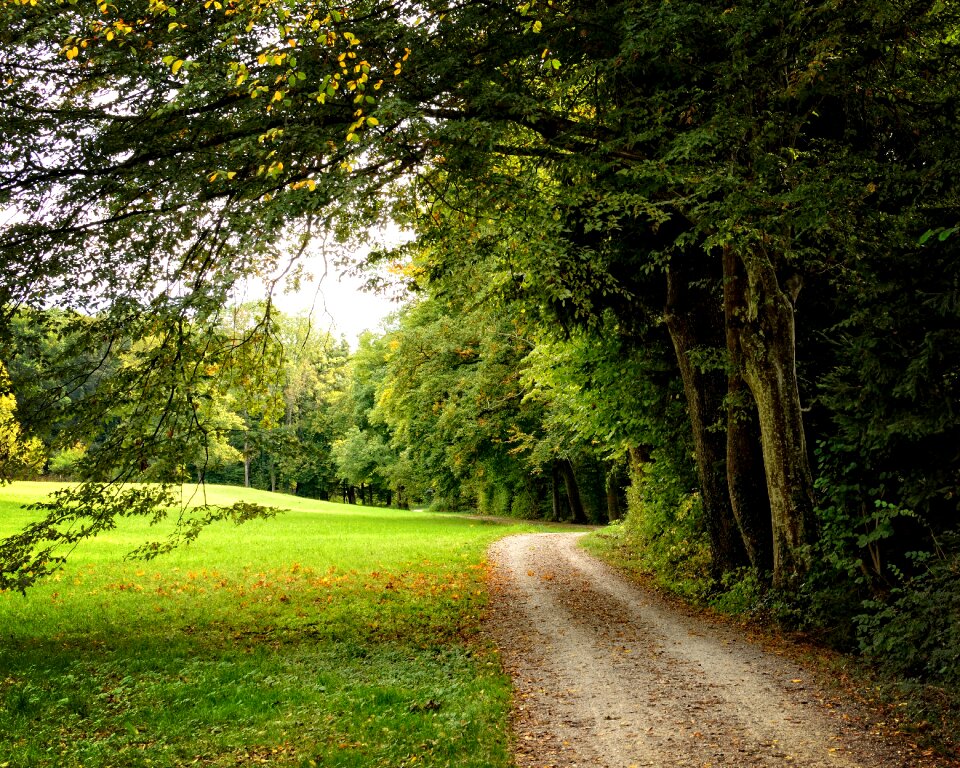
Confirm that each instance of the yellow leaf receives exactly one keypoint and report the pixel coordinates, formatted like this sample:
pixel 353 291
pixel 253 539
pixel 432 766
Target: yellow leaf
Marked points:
pixel 277 96
pixel 213 176
pixel 537 26
pixel 176 66
pixel 371 121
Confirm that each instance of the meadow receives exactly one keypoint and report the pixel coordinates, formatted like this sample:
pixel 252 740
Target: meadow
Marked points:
pixel 328 636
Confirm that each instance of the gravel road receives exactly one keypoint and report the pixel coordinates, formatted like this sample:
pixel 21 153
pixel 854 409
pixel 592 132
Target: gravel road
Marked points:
pixel 608 674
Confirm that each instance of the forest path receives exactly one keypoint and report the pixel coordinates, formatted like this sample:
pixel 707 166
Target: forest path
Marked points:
pixel 607 674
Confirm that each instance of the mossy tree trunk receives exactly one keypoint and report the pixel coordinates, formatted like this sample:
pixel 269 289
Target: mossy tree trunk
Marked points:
pixel 761 321
pixel 746 480
pixel 572 487
pixel 694 320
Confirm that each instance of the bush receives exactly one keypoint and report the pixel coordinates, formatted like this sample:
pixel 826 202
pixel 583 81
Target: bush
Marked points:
pixel 742 591
pixel 665 527
pixel 500 502
pixel 64 463
pixel 915 633
pixel 525 504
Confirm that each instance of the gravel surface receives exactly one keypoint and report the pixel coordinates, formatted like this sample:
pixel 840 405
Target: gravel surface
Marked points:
pixel 608 674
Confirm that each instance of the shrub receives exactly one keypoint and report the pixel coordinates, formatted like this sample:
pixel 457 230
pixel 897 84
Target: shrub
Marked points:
pixel 525 504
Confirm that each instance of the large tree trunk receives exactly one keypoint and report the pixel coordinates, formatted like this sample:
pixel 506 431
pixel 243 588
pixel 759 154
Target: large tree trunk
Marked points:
pixel 573 491
pixel 615 481
pixel 746 480
pixel 762 322
pixel 555 488
pixel 246 462
pixel 695 322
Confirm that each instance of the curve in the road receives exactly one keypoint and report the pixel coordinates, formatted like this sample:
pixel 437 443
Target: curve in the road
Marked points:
pixel 607 674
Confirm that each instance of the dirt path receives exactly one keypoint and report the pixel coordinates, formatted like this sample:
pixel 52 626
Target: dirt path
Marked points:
pixel 607 674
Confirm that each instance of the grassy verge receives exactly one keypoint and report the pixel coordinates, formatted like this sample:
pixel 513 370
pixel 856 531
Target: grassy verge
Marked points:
pixel 330 636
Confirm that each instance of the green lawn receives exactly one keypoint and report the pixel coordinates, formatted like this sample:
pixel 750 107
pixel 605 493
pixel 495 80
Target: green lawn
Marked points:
pixel 329 636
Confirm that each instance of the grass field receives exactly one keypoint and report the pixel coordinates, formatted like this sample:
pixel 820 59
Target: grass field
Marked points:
pixel 329 636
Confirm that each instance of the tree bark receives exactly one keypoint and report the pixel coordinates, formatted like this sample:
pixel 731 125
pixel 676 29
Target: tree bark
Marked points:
pixel 614 509
pixel 694 320
pixel 351 494
pixel 639 455
pixel 246 461
pixel 573 491
pixel 555 487
pixel 746 481
pixel 762 321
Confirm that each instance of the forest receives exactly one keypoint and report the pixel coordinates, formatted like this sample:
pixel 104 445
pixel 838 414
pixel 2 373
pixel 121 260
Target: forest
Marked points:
pixel 688 267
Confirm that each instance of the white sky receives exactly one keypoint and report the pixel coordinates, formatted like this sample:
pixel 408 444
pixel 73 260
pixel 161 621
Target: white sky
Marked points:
pixel 336 301
pixel 339 305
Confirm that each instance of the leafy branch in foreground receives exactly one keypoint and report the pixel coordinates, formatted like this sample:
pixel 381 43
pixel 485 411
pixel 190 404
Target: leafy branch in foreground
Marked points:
pixel 89 509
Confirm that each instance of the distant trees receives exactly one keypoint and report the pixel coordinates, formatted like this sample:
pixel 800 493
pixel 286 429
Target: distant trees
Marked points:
pixel 260 415
pixel 19 454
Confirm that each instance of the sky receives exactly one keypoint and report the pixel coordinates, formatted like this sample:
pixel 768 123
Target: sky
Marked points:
pixel 336 300
pixel 339 305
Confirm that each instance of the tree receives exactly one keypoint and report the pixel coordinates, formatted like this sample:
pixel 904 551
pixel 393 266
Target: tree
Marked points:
pixel 19 454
